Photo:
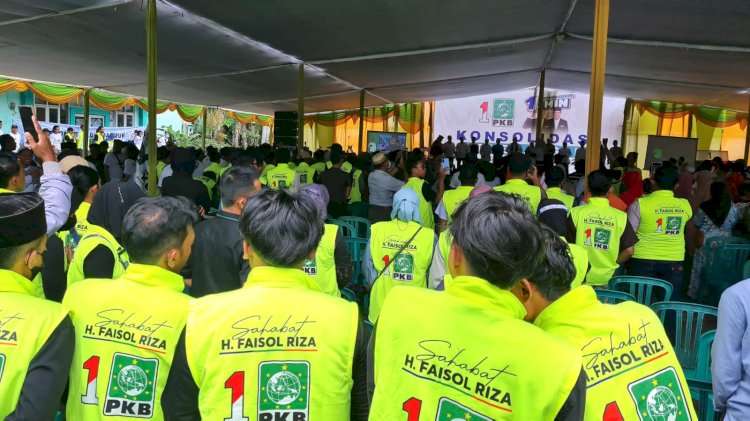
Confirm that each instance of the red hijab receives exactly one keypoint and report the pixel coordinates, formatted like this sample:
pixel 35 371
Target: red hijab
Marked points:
pixel 634 187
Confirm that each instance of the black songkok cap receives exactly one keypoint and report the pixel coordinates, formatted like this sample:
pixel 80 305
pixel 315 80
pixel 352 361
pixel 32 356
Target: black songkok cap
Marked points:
pixel 22 219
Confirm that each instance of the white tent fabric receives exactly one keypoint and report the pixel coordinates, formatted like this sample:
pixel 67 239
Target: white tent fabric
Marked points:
pixel 243 54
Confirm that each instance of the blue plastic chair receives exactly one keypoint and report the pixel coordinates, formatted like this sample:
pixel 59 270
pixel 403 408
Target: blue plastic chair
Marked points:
pixel 687 322
pixel 348 295
pixel 645 290
pixel 347 229
pixel 725 264
pixel 699 381
pixel 362 225
pixel 356 247
pixel 607 296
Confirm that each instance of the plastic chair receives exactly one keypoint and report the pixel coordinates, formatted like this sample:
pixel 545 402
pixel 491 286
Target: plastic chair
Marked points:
pixel 746 270
pixel 607 296
pixel 347 229
pixel 645 290
pixel 362 225
pixel 700 380
pixel 348 295
pixel 686 324
pixel 725 266
pixel 356 247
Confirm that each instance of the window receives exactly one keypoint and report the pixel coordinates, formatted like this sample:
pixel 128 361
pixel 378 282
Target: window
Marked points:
pixel 51 113
pixel 124 117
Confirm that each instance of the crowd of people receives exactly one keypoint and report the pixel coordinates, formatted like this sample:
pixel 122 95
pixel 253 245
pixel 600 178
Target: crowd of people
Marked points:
pixel 221 297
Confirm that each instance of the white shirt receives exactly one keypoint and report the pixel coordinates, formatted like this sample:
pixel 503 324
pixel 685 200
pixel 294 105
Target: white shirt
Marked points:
pixel 455 182
pixel 20 141
pixel 56 140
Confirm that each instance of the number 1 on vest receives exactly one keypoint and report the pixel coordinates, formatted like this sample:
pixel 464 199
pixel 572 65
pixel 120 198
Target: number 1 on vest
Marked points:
pixel 413 407
pixel 612 413
pixel 92 365
pixel 236 382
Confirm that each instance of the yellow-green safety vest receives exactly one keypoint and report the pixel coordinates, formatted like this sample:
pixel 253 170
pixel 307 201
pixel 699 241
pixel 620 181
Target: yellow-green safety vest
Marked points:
pixel 264 174
pixel 95 236
pixel 79 139
pixel 632 371
pixel 209 183
pixel 126 335
pixel 599 227
pixel 322 268
pixel 444 245
pixel 530 194
pixel 26 322
pixel 215 168
pixel 319 167
pixel 160 168
pixel 557 194
pixel 345 167
pixel 437 358
pixel 662 227
pixel 425 207
pixel 275 349
pixel 453 198
pixel 305 173
pixel 580 262
pixel 410 267
pixel 70 238
pixel 280 177
pixel 356 194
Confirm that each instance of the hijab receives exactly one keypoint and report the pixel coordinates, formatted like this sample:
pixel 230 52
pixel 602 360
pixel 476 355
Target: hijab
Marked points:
pixel 633 187
pixel 406 206
pixel 111 204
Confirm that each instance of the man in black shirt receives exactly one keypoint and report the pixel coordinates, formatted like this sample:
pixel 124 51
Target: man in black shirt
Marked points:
pixel 339 185
pixel 181 182
pixel 216 259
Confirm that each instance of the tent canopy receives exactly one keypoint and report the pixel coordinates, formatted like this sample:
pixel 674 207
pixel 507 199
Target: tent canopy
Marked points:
pixel 243 54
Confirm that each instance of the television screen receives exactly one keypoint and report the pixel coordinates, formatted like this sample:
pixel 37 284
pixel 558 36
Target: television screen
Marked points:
pixel 385 141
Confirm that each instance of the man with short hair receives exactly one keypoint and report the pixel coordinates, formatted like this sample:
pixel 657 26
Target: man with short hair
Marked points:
pixel 382 186
pixel 496 245
pixel 417 172
pixel 602 230
pixel 127 329
pixel 462 151
pixel 7 144
pixel 615 151
pixel 282 176
pixel 627 356
pixel 449 151
pixel 18 137
pixel 497 153
pixel 318 355
pixel 338 182
pixel 37 335
pixel 659 220
pixel 181 182
pixel 518 172
pixel 485 151
pixel 453 198
pixel 554 178
pixel 216 260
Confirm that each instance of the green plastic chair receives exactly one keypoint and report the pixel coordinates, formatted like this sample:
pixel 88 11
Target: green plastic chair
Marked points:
pixel 347 229
pixel 356 247
pixel 645 290
pixel 725 266
pixel 700 380
pixel 607 296
pixel 362 225
pixel 688 322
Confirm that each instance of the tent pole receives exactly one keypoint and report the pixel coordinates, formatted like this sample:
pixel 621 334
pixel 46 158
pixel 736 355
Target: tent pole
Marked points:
pixel 203 134
pixel 690 125
pixel 421 126
pixel 626 115
pixel 151 64
pixel 86 117
pixel 361 120
pixel 540 107
pixel 596 95
pixel 301 109
pixel 747 135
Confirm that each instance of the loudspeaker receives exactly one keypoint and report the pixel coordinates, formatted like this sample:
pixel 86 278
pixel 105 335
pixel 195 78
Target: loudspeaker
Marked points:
pixel 285 128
